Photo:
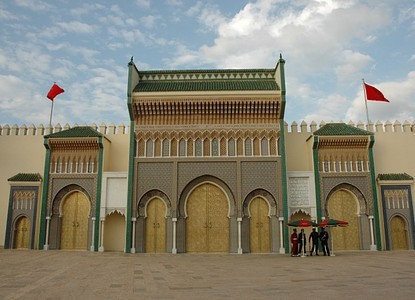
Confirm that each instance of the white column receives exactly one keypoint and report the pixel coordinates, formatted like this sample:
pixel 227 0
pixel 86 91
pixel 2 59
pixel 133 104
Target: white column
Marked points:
pixel 174 249
pixel 46 245
pixel 134 220
pixel 282 249
pixel 101 244
pixel 93 234
pixel 372 236
pixel 239 220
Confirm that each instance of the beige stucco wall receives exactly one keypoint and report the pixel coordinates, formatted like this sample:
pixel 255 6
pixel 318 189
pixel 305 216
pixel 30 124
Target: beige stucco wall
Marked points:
pixel 18 154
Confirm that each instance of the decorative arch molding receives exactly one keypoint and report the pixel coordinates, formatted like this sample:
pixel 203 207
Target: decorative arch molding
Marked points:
pixel 57 202
pixel 263 194
pixel 147 197
pixel 112 211
pixel 206 179
pixel 301 211
pixel 363 207
pixel 407 222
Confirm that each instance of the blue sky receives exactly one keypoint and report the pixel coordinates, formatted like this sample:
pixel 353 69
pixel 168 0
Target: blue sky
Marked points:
pixel 84 46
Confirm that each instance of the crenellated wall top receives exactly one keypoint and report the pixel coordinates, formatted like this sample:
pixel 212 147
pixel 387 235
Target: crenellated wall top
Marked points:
pixel 121 129
pixel 41 130
pixel 378 127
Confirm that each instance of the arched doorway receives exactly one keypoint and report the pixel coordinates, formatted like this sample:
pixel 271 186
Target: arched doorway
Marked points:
pixel 114 234
pixel 259 226
pixel 21 238
pixel 399 238
pixel 155 226
pixel 74 229
pixel 207 224
pixel 343 206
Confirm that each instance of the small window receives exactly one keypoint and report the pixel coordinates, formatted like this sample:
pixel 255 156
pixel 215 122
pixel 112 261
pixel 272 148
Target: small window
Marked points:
pixel 248 147
pixel 264 147
pixel 215 147
pixel 166 147
pixel 198 147
pixel 231 147
pixel 182 147
pixel 149 148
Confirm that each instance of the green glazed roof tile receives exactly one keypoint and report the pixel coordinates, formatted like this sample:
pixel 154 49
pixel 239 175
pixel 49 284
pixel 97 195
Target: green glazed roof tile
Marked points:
pixel 26 177
pixel 80 131
pixel 205 85
pixel 395 176
pixel 332 129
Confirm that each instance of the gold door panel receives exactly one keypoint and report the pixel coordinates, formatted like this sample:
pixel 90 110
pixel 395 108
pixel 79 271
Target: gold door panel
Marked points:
pixel 343 206
pixel 156 226
pixel 207 224
pixel 75 211
pixel 259 226
pixel 22 233
pixel 196 223
pixel 398 234
pixel 218 222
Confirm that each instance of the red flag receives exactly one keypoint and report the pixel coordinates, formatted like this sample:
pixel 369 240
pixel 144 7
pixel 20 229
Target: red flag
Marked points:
pixel 374 94
pixel 54 91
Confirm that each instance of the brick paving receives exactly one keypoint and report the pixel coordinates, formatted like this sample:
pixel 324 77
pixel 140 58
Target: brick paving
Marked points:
pixel 86 275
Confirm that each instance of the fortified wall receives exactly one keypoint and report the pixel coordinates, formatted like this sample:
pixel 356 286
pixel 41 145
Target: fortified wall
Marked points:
pixel 22 151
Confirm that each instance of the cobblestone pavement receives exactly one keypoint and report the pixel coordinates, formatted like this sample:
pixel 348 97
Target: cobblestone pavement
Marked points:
pixel 86 275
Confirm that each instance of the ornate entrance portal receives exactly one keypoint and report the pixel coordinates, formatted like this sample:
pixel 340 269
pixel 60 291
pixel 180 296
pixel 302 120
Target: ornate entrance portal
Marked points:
pixel 22 233
pixel 343 206
pixel 259 226
pixel 207 224
pixel 398 233
pixel 74 212
pixel 156 226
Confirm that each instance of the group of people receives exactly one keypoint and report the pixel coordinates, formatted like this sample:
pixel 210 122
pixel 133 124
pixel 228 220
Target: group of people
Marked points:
pixel 299 241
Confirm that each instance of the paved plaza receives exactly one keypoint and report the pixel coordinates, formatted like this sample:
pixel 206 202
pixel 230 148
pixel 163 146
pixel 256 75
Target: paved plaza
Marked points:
pixel 86 275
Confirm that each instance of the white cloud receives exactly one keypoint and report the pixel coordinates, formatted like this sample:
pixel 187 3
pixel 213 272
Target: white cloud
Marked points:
pixel 143 3
pixel 174 2
pixel 6 15
pixel 36 5
pixel 149 21
pixel 77 27
pixel 351 64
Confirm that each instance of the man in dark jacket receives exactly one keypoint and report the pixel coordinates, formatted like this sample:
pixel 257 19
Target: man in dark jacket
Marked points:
pixel 324 238
pixel 302 238
pixel 313 239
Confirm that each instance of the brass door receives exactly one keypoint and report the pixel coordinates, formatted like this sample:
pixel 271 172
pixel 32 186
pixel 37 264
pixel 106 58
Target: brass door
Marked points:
pixel 259 226
pixel 156 226
pixel 21 239
pixel 207 225
pixel 343 206
pixel 75 211
pixel 398 233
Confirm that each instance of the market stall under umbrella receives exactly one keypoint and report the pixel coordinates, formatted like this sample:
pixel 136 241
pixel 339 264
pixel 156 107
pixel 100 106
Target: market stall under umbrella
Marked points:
pixel 332 223
pixel 302 223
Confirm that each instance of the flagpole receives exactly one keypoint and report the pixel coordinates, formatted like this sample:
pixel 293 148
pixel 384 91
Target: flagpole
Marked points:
pixel 50 118
pixel 367 111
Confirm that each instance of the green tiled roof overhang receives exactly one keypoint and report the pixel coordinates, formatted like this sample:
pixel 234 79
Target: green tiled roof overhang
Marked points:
pixel 26 177
pixel 332 129
pixel 80 131
pixel 395 176
pixel 208 85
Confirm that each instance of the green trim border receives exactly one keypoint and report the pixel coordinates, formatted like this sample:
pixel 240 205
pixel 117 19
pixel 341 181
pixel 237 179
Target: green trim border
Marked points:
pixel 45 191
pixel 98 193
pixel 317 179
pixel 375 194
